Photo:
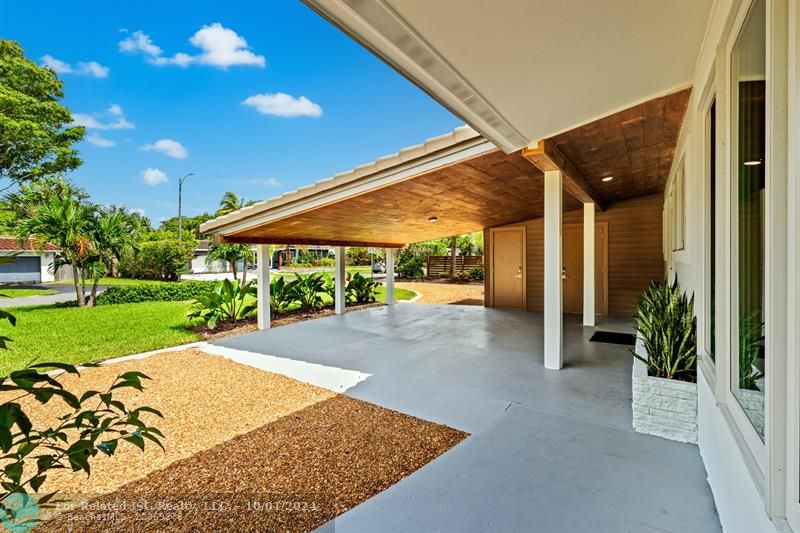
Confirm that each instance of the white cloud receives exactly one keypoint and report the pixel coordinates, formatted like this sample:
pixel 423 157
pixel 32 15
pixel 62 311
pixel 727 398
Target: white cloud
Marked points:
pixel 101 142
pixel 167 147
pixel 220 47
pixel 154 176
pixel 272 182
pixel 283 105
pixel 259 182
pixel 86 68
pixel 92 122
pixel 139 42
pixel 138 210
pixel 60 67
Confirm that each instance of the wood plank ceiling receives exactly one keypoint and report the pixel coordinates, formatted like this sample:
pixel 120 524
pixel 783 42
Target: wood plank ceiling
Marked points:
pixel 635 146
pixel 486 191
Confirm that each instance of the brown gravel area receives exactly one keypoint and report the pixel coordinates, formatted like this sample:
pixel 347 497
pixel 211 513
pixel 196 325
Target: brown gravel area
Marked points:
pixel 205 399
pixel 445 293
pixel 294 474
pixel 251 324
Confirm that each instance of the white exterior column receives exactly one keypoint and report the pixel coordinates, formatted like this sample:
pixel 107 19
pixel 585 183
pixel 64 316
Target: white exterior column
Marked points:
pixel 339 279
pixel 588 265
pixel 390 276
pixel 262 286
pixel 553 341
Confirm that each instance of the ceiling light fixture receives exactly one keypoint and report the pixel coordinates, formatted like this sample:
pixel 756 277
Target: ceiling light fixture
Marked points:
pixel 433 220
pixel 753 163
pixel 608 178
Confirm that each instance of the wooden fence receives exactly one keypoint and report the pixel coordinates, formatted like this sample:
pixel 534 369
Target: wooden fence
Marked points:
pixel 440 264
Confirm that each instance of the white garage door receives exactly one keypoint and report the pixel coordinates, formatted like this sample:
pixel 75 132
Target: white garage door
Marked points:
pixel 21 269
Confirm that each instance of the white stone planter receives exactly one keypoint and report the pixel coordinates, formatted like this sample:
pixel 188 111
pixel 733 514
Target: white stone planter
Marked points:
pixel 665 408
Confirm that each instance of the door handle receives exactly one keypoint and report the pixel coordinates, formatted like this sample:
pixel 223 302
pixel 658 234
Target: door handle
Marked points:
pixel 519 272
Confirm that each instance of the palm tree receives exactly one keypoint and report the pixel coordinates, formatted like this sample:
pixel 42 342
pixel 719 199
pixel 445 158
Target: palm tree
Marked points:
pixel 230 202
pixel 231 254
pixel 113 234
pixel 68 224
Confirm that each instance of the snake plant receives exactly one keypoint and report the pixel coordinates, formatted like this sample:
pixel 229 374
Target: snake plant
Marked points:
pixel 668 328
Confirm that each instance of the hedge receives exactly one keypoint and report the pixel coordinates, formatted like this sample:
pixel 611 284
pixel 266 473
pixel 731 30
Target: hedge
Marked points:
pixel 161 292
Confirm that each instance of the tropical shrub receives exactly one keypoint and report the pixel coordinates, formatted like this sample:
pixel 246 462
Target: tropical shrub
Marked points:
pixel 229 301
pixel 306 291
pixel 280 295
pixel 462 276
pixel 476 274
pixel 411 267
pixel 750 333
pixel 329 286
pixel 666 323
pixel 361 289
pixel 162 260
pixel 324 262
pixel 95 421
pixel 161 292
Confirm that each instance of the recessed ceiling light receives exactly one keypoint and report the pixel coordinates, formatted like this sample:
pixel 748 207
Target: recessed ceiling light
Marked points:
pixel 752 163
pixel 608 178
pixel 433 220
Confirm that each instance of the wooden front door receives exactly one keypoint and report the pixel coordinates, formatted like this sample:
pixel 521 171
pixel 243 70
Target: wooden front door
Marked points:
pixel 572 268
pixel 508 268
pixel 572 272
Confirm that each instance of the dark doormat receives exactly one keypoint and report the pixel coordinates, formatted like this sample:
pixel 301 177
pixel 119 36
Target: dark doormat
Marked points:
pixel 614 338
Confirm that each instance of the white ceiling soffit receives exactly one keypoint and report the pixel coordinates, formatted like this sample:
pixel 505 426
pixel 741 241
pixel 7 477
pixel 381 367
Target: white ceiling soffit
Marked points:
pixel 525 70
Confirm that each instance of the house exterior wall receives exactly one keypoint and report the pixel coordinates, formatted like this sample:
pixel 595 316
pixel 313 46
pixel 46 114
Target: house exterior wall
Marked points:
pixel 755 482
pixel 634 252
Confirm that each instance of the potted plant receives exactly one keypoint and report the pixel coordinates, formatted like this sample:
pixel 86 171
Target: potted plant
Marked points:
pixel 665 364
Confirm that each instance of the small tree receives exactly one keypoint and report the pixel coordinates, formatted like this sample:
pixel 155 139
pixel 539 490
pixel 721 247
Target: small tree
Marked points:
pixel 36 132
pixel 232 254
pixel 69 225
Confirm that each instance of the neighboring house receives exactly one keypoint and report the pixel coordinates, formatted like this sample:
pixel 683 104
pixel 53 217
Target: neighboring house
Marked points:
pixel 279 255
pixel 199 263
pixel 610 143
pixel 24 264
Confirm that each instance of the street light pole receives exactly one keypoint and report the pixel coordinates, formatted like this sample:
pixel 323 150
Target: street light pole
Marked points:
pixel 180 194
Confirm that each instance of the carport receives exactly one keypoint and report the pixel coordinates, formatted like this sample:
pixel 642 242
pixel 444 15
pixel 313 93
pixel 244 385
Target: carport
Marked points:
pixel 460 182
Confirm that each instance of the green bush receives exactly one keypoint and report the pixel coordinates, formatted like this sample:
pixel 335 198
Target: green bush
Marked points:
pixel 362 290
pixel 164 260
pixel 228 302
pixel 325 262
pixel 280 295
pixel 411 267
pixel 162 292
pixel 476 274
pixel 306 291
pixel 666 323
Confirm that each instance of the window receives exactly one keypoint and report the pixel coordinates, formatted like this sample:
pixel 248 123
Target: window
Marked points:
pixel 748 69
pixel 711 169
pixel 678 211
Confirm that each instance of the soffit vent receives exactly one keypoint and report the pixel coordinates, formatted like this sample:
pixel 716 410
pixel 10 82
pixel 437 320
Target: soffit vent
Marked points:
pixel 466 101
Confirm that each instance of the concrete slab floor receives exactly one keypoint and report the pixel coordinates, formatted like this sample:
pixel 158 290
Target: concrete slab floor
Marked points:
pixel 548 451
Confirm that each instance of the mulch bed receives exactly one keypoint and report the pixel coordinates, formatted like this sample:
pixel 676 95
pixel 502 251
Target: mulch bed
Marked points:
pixel 294 474
pixel 251 324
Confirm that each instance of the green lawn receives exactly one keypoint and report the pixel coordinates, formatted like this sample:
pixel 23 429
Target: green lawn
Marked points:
pixel 110 282
pixel 78 335
pixel 11 292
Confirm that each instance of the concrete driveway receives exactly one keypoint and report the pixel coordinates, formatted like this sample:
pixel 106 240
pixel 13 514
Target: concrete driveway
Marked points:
pixel 548 451
pixel 65 293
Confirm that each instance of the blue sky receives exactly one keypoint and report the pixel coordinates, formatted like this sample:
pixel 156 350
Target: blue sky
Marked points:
pixel 161 102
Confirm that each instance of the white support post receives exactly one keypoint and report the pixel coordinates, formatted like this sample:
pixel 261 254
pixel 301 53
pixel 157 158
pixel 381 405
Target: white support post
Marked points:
pixel 553 341
pixel 339 275
pixel 390 276
pixel 262 286
pixel 588 265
